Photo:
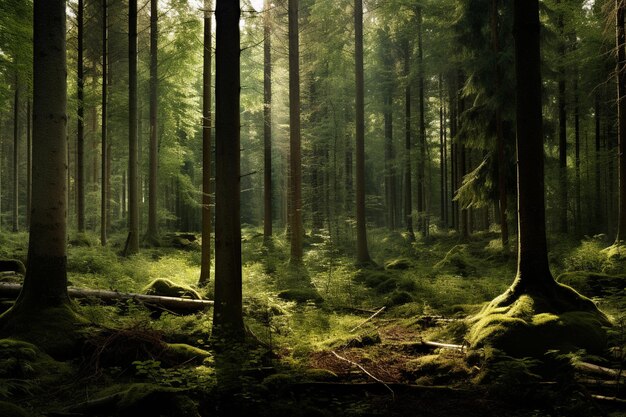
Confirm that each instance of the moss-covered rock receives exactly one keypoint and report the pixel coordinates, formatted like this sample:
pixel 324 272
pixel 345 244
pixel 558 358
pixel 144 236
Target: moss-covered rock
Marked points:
pixel 593 284
pixel 457 262
pixel 387 286
pixel 399 264
pixel 398 298
pixel 436 369
pixel 167 288
pixel 530 324
pixel 371 278
pixel 178 353
pixel 301 295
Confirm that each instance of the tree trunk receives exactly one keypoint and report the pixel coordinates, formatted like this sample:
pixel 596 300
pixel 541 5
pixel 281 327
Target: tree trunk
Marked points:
pixel 207 145
pixel 598 206
pixel 563 183
pixel 29 165
pixel 133 183
pixel 153 222
pixel 295 158
pixel 16 137
pixel 442 161
pixel 267 124
pixel 45 283
pixel 532 266
pixel 578 217
pixel 362 256
pixel 227 314
pixel 408 210
pixel 104 191
pixel 421 164
pixel 80 129
pixel 621 120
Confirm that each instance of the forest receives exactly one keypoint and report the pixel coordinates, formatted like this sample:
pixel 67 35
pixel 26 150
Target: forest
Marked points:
pixel 312 208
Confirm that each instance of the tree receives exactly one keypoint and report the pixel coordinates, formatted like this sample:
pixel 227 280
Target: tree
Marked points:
pixel 563 183
pixel 104 186
pixel 80 120
pixel 16 137
pixel 620 40
pixel 408 211
pixel 205 265
pixel 153 226
pixel 363 256
pixel 267 124
pixel 43 304
pixel 295 156
pixel 227 312
pixel 132 245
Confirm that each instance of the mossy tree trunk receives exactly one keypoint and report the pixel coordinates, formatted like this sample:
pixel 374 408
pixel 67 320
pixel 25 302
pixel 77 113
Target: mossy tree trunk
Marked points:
pixel 227 313
pixel 267 124
pixel 152 234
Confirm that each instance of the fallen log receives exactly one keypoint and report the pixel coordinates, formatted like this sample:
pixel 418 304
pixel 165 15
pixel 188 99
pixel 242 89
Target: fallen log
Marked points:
pixel 174 304
pixel 597 369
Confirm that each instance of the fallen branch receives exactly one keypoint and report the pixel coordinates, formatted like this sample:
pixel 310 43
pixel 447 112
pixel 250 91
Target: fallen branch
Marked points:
pixel 609 399
pixel 597 369
pixel 175 304
pixel 380 310
pixel 393 395
pixel 598 382
pixel 377 388
pixel 460 348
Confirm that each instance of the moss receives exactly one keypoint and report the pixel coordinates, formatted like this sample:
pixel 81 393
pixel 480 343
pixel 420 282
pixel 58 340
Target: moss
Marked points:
pixel 57 331
pixel 14 265
pixel 593 284
pixel 301 295
pixel 457 262
pixel 399 264
pixel 387 286
pixel 11 410
pixel 399 298
pixel 319 375
pixel 167 288
pixel 531 324
pixel 179 353
pixel 436 369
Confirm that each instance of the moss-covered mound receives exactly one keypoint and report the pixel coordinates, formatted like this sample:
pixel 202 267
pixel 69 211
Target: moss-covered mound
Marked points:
pixel 301 295
pixel 167 288
pixel 530 324
pixel 457 262
pixel 593 284
pixel 399 264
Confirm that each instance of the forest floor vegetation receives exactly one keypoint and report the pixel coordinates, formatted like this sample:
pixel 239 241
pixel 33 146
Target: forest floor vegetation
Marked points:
pixel 394 340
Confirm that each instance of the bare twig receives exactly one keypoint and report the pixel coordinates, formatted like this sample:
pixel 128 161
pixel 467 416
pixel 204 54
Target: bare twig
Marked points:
pixel 380 310
pixel 393 395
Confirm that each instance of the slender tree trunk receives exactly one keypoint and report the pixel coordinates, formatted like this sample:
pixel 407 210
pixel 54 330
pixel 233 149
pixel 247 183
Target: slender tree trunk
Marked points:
pixel 464 226
pixel 29 165
pixel 267 124
pixel 421 165
pixel 133 156
pixel 45 283
pixel 390 171
pixel 295 158
pixel 598 206
pixel 153 222
pixel 16 137
pixel 532 266
pixel 621 119
pixel 80 120
pixel 104 188
pixel 205 265
pixel 502 191
pixel 363 256
pixel 227 313
pixel 442 164
pixel 563 183
pixel 579 216
pixel 408 209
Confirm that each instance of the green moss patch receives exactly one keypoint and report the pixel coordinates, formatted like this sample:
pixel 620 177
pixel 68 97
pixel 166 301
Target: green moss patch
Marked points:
pixel 165 287
pixel 593 284
pixel 436 369
pixel 399 264
pixel 301 295
pixel 457 261
pixel 532 324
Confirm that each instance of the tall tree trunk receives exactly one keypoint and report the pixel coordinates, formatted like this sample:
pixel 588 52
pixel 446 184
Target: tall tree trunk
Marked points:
pixel 104 189
pixel 227 312
pixel 579 216
pixel 45 283
pixel 295 158
pixel 16 137
pixel 29 165
pixel 621 119
pixel 205 265
pixel 598 206
pixel 462 170
pixel 363 256
pixel 563 183
pixel 502 191
pixel 532 266
pixel 390 170
pixel 442 162
pixel 267 123
pixel 421 163
pixel 153 222
pixel 80 120
pixel 133 183
pixel 408 209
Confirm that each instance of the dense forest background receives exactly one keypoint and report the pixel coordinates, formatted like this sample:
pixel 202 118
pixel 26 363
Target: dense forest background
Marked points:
pixel 312 207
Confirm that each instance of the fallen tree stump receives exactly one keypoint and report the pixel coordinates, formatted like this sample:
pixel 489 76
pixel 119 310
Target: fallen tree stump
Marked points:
pixel 174 304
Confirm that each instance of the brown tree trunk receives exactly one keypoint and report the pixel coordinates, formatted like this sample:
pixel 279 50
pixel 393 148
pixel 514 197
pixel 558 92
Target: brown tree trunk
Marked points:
pixel 16 137
pixel 362 256
pixel 408 210
pixel 621 119
pixel 227 313
pixel 578 217
pixel 29 165
pixel 153 222
pixel 598 206
pixel 205 265
pixel 267 124
pixel 104 189
pixel 295 158
pixel 421 165
pixel 133 156
pixel 563 183
pixel 80 129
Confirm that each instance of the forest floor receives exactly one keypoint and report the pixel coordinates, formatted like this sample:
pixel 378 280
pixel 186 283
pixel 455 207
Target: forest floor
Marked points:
pixel 384 341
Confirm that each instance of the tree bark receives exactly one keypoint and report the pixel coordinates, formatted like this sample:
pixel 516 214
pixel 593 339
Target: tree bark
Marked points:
pixel 421 164
pixel 363 256
pixel 29 162
pixel 227 314
pixel 621 119
pixel 153 222
pixel 267 124
pixel 408 210
pixel 133 156
pixel 295 158
pixel 563 183
pixel 532 265
pixel 80 120
pixel 45 283
pixel 16 136
pixel 104 189
pixel 207 145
